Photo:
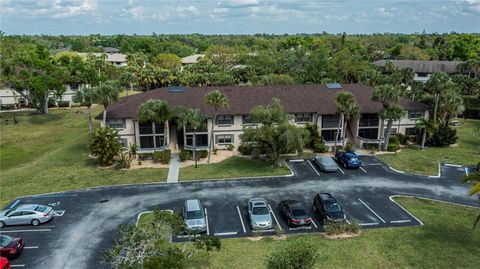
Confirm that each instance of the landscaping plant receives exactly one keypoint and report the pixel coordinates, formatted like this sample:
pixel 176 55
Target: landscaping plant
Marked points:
pixel 293 254
pixel 104 145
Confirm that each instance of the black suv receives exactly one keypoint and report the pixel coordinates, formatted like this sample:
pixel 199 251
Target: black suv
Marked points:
pixel 327 207
pixel 295 212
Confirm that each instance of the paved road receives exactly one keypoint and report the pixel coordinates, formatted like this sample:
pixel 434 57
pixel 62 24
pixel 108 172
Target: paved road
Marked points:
pixel 87 220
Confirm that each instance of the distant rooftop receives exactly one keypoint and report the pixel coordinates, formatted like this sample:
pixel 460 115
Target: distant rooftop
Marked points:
pixel 191 59
pixel 429 67
pixel 110 50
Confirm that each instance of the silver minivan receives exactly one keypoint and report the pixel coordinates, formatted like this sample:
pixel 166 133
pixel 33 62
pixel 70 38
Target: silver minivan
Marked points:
pixel 25 215
pixel 194 216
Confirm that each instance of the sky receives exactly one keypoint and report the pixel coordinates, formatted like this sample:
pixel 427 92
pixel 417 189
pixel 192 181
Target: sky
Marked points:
pixel 83 17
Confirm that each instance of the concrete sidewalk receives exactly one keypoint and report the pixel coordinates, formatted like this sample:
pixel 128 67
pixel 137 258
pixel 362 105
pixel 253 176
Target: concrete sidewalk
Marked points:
pixel 174 169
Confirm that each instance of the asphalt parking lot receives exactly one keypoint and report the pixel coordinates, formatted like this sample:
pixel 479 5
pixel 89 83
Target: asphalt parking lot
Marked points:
pixel 86 220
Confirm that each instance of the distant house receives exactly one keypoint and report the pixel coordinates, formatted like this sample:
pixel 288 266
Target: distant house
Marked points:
pixel 424 69
pixel 306 103
pixel 11 99
pixel 117 59
pixel 192 59
pixel 110 50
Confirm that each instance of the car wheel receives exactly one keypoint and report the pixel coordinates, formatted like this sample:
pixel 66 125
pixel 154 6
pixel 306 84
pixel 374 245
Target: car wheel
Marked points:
pixel 35 222
pixel 2 224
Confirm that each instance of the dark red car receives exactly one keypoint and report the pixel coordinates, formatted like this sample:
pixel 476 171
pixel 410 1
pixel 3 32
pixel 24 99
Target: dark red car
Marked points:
pixel 295 213
pixel 4 264
pixel 10 247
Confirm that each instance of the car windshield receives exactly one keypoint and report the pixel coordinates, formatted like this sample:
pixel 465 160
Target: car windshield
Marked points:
pixel 299 213
pixel 260 210
pixel 41 208
pixel 5 240
pixel 195 214
pixel 333 208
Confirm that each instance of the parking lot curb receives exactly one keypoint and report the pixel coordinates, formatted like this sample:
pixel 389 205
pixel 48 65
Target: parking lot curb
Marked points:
pixel 435 200
pixel 409 173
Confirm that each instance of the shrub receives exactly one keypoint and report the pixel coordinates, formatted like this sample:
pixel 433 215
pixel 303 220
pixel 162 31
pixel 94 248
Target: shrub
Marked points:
pixel 402 139
pixel 157 156
pixel 392 147
pixel 371 146
pixel 123 161
pixel 145 156
pixel 51 102
pixel 104 145
pixel 321 148
pixel 256 153
pixel 184 155
pixel 245 148
pixel 215 150
pixel 332 228
pixel 349 146
pixel 203 153
pixel 63 104
pixel 230 147
pixel 339 148
pixel 314 136
pixel 293 254
pixel 443 137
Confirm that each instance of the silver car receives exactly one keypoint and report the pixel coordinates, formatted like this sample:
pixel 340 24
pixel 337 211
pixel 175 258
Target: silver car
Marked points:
pixel 194 216
pixel 260 217
pixel 325 163
pixel 26 214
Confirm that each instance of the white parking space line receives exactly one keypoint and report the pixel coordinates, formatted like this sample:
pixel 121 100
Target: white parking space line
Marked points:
pixel 400 221
pixel 368 224
pixel 58 213
pixel 347 221
pixel 31 247
pixel 297 161
pixel 225 233
pixel 26 231
pixel 313 167
pixel 275 217
pixel 300 228
pixel 265 231
pixel 187 236
pixel 17 265
pixel 241 220
pixel 453 165
pixel 363 169
pixel 314 224
pixel 466 171
pixel 341 170
pixel 371 210
pixel 206 218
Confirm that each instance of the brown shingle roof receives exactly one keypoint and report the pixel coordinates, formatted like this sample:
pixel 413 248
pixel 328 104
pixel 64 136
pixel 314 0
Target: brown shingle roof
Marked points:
pixel 429 67
pixel 295 99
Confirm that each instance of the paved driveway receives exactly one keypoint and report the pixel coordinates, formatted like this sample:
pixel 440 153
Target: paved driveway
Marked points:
pixel 87 220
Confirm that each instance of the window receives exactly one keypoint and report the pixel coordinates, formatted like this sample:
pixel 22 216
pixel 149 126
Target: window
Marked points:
pixel 415 114
pixel 123 142
pixel 369 133
pixel 159 141
pixel 392 131
pixel 224 139
pixel 368 120
pixel 422 75
pixel 224 120
pixel 159 128
pixel 410 131
pixel 146 142
pixel 201 140
pixel 329 135
pixel 116 123
pixel 145 127
pixel 246 119
pixel 303 117
pixel 330 121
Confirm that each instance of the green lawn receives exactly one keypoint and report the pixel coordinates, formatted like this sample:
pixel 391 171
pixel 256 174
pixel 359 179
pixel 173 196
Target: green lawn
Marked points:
pixel 47 153
pixel 413 159
pixel 233 167
pixel 446 241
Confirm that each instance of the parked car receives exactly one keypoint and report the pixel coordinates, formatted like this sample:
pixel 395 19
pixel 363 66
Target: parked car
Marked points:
pixel 4 264
pixel 455 123
pixel 327 207
pixel 26 214
pixel 194 216
pixel 260 217
pixel 325 163
pixel 348 159
pixel 10 247
pixel 295 213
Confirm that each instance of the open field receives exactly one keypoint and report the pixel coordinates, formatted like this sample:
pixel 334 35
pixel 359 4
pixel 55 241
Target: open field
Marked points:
pixel 233 167
pixel 446 241
pixel 48 153
pixel 413 159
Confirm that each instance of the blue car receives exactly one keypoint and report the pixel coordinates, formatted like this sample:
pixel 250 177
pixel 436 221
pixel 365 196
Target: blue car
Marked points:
pixel 348 159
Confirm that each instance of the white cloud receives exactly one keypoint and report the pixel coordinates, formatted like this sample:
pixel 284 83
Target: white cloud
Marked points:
pixel 385 13
pixel 188 11
pixel 472 6
pixel 55 9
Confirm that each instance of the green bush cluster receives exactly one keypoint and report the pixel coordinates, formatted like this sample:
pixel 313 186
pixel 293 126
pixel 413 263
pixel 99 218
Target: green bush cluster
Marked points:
pixel 203 153
pixel 393 143
pixel 443 137
pixel 184 155
pixel 332 228
pixel 293 254
pixel 349 147
pixel 320 148
pixel 163 156
pixel 63 104
pixel 314 138
pixel 230 147
pixel 371 146
pixel 144 156
pixel 246 148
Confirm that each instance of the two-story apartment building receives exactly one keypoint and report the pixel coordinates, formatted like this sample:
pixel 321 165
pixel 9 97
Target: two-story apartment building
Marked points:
pixel 306 104
pixel 424 69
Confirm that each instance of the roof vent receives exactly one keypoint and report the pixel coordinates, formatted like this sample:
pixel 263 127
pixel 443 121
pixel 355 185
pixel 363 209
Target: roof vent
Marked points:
pixel 333 85
pixel 177 89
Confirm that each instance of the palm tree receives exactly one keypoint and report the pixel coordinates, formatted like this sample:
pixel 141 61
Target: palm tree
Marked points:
pixel 195 119
pixel 346 109
pixel 385 94
pixel 428 126
pixel 156 111
pixel 106 94
pixel 474 189
pixel 128 78
pixel 438 84
pixel 215 100
pixel 391 113
pixel 453 105
pixel 85 96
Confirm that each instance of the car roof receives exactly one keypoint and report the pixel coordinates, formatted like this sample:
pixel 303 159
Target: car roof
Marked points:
pixel 193 205
pixel 26 207
pixel 258 201
pixel 325 196
pixel 293 203
pixel 351 154
pixel 325 159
